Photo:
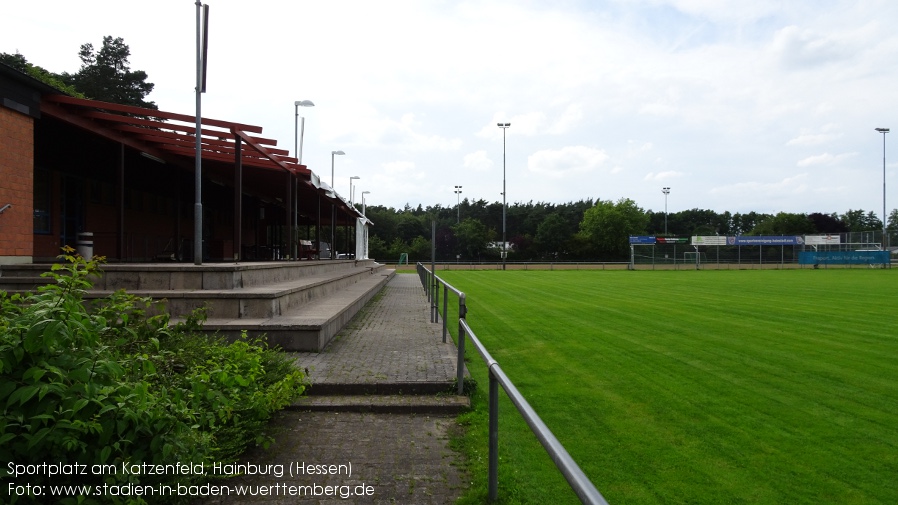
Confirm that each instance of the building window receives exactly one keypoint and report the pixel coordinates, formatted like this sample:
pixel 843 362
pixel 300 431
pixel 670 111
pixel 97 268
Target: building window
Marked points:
pixel 42 201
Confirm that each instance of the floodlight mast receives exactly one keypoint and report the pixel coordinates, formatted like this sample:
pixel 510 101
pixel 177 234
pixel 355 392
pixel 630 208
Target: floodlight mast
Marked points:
pixel 884 217
pixel 666 192
pixel 504 127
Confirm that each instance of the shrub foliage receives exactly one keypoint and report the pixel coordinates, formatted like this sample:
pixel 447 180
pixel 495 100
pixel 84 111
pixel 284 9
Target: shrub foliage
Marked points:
pixel 106 383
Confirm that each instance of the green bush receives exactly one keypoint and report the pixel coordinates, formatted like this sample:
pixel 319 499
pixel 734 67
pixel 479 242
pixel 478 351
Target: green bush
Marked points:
pixel 107 384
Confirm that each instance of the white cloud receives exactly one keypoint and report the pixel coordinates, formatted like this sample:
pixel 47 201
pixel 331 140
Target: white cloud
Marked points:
pixel 803 47
pixel 399 168
pixel 824 159
pixel 715 10
pixel 662 176
pixel 808 139
pixel 566 161
pixel 569 119
pixel 752 189
pixel 478 161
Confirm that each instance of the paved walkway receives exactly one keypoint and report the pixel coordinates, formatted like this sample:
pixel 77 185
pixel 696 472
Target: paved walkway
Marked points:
pixel 390 342
pixel 386 457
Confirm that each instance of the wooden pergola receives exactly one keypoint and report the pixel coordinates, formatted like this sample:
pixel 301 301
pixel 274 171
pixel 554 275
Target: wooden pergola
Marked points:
pixel 231 152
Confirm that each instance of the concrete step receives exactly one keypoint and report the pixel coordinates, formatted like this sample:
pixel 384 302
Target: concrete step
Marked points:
pixel 181 276
pixel 388 404
pixel 381 388
pixel 21 284
pixel 257 302
pixel 312 325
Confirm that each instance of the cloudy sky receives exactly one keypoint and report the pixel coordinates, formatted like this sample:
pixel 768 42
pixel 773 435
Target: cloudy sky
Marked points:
pixel 745 105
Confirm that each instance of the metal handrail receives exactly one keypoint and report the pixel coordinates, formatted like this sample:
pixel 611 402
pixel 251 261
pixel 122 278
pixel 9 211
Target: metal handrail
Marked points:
pixel 579 482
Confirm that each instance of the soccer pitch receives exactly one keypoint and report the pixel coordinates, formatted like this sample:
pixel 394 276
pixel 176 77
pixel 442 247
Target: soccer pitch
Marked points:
pixel 692 387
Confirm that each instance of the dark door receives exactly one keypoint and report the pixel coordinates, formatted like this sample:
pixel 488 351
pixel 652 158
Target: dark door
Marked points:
pixel 72 209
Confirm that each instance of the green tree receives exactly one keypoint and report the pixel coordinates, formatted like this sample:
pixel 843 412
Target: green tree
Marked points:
pixel 858 220
pixel 419 249
pixel 892 225
pixel 377 248
pixel 473 238
pixel 827 223
pixel 785 223
pixel 105 75
pixel 609 225
pixel 744 223
pixel 411 226
pixel 552 233
pixel 18 62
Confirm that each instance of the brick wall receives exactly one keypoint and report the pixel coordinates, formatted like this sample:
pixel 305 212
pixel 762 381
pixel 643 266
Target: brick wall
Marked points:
pixel 16 186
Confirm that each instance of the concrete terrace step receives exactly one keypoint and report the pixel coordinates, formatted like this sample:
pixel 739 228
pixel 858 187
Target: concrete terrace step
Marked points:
pixel 181 276
pixel 255 302
pixel 386 404
pixel 309 326
pixel 382 388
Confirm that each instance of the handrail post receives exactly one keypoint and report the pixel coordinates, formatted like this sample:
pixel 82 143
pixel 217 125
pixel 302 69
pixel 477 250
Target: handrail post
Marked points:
pixel 445 311
pixel 494 438
pixel 460 366
pixel 435 311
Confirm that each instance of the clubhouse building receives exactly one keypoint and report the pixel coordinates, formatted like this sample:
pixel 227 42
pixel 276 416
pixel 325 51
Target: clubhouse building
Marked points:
pixel 123 180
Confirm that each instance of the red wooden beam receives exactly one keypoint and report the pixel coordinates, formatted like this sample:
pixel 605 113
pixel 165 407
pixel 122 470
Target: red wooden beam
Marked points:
pixel 140 111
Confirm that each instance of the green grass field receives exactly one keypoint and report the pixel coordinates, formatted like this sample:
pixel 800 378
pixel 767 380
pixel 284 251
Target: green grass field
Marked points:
pixel 691 387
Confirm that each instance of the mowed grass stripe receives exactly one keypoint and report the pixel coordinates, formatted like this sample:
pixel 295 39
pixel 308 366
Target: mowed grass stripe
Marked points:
pixel 706 387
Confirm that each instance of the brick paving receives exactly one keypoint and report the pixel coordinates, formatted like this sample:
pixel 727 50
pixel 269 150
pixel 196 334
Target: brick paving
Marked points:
pixel 404 458
pixel 391 341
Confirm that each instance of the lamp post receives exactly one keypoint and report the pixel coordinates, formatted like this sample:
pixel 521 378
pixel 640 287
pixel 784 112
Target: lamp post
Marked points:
pixel 365 229
pixel 350 187
pixel 884 217
pixel 298 130
pixel 666 192
pixel 333 205
pixel 504 127
pixel 458 204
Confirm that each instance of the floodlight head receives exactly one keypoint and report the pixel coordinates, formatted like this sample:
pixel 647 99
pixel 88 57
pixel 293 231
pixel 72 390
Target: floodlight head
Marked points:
pixel 882 130
pixel 303 103
pixel 338 152
pixel 503 125
pixel 354 177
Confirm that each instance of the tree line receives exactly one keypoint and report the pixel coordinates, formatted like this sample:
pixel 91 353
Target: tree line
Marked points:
pixel 585 230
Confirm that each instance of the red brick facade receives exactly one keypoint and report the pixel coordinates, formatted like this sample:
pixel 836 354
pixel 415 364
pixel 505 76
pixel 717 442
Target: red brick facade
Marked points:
pixel 16 172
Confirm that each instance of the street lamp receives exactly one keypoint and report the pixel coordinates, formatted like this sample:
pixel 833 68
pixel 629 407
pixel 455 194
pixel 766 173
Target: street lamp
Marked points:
pixel 884 217
pixel 297 151
pixel 363 201
pixel 297 137
pixel 365 229
pixel 334 153
pixel 504 127
pixel 333 205
pixel 666 192
pixel 458 204
pixel 350 187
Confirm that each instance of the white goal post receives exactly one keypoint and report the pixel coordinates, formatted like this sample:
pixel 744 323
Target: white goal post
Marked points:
pixel 694 257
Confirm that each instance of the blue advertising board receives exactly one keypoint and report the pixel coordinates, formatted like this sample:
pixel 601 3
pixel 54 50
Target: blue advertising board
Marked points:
pixel 642 240
pixel 766 240
pixel 844 258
